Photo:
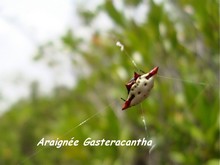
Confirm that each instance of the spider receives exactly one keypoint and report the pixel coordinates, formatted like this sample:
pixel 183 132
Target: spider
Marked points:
pixel 139 88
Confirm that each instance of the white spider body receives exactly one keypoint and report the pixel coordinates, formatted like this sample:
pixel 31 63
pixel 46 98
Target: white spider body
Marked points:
pixel 139 88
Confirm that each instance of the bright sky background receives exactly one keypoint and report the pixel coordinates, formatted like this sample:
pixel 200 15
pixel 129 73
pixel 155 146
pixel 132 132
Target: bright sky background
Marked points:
pixel 26 24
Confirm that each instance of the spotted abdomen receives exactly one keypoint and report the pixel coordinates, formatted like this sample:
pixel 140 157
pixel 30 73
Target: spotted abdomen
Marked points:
pixel 141 89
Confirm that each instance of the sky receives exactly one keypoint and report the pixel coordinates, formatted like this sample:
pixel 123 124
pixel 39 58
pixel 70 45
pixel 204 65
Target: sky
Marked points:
pixel 24 25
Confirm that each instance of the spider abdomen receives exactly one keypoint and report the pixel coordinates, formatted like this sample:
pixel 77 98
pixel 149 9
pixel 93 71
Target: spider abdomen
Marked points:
pixel 141 89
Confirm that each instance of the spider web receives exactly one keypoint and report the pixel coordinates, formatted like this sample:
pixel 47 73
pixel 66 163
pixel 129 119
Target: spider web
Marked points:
pixel 142 116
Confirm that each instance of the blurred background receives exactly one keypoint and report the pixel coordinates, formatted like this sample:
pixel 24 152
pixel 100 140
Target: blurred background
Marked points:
pixel 62 76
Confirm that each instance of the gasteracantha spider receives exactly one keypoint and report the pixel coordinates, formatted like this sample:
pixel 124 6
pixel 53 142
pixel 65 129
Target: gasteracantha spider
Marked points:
pixel 139 88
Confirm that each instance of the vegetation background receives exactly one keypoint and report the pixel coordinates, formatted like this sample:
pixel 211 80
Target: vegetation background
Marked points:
pixel 182 112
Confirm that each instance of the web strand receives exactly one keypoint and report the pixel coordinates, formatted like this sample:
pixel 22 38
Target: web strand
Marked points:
pixel 147 134
pixel 186 81
pixel 83 122
pixel 133 62
pixel 119 44
pixel 66 133
pixel 143 119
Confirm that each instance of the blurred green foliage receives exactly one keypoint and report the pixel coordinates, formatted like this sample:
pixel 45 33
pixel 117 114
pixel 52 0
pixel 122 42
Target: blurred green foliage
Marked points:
pixel 182 112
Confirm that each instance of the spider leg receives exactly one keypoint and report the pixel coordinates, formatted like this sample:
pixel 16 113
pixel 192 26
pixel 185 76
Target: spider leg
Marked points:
pixel 142 71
